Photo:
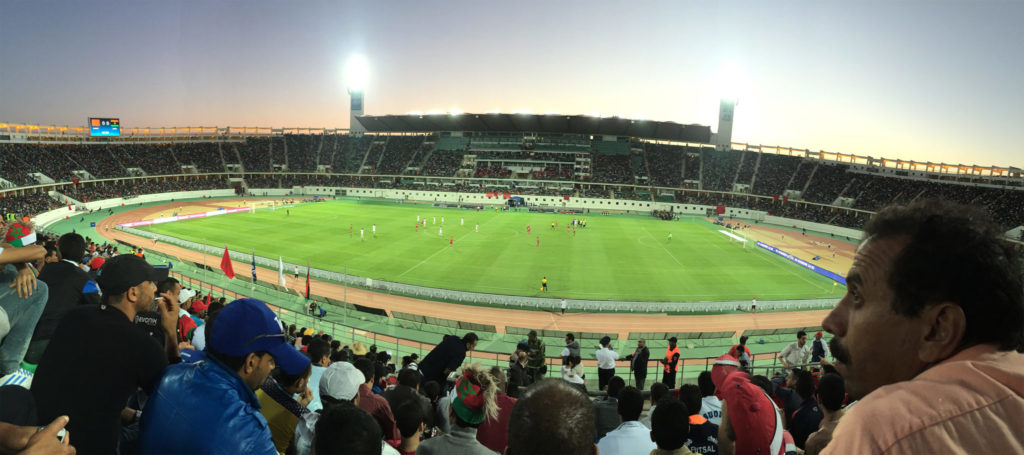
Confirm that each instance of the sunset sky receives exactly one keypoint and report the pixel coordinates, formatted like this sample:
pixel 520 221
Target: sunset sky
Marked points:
pixel 928 81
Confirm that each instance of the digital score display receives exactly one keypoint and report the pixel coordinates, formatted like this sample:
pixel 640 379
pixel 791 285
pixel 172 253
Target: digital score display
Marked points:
pixel 104 126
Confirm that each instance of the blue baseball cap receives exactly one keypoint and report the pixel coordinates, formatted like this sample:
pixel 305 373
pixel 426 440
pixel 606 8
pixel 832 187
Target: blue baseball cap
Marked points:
pixel 246 326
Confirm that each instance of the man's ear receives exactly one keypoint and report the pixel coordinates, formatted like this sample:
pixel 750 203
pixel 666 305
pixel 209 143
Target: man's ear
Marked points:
pixel 252 361
pixel 944 327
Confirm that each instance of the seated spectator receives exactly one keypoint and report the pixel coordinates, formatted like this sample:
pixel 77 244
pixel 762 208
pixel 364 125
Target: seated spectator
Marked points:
pixel 344 428
pixel 750 421
pixel 658 391
pixel 245 343
pixel 670 427
pixel 606 411
pixel 541 424
pixel 319 352
pixel 703 437
pixel 572 372
pixel 474 402
pixel 69 286
pixel 411 424
pixel 830 395
pixel 277 405
pixel 807 416
pixel 22 298
pixel 929 333
pixel 339 384
pixel 199 334
pixel 518 373
pixel 376 405
pixel 710 406
pixel 493 433
pixel 408 387
pixel 630 436
pixel 97 358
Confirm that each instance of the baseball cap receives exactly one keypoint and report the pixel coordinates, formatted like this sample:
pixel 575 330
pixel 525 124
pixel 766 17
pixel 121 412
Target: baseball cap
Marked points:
pixel 724 366
pixel 185 294
pixel 246 326
pixel 817 335
pixel 123 272
pixel 753 415
pixel 341 381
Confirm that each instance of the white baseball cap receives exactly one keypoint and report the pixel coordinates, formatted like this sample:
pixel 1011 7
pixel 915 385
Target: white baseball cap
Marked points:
pixel 185 294
pixel 341 381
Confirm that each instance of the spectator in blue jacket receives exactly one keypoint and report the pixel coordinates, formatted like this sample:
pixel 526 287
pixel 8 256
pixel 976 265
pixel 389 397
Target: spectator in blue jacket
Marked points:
pixel 245 343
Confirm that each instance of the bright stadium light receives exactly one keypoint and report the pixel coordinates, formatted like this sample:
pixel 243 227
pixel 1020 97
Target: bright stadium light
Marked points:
pixel 732 82
pixel 456 111
pixel 435 112
pixel 419 113
pixel 593 114
pixel 357 74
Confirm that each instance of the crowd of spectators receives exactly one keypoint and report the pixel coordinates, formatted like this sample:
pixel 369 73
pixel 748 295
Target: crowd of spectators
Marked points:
pixel 719 169
pixel 133 188
pixel 443 163
pixel 302 151
pixel 255 154
pixel 400 150
pixel 748 163
pixel 773 173
pixel 205 156
pixel 611 169
pixel 26 204
pixel 666 164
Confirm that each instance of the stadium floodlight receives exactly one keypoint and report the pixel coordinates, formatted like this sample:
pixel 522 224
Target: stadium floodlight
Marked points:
pixel 456 111
pixel 593 114
pixel 357 74
pixel 732 82
pixel 640 117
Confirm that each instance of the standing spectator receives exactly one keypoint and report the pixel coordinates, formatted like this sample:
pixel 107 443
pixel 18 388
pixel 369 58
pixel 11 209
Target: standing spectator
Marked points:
pixel 630 436
pixel 376 405
pixel 493 433
pixel 703 437
pixel 819 349
pixel 638 362
pixel 606 416
pixel 606 358
pixel 670 426
pixel 69 287
pixel 670 362
pixel 540 422
pixel 929 334
pixel 741 352
pixel 474 402
pixel 97 358
pixel 446 357
pixel 658 391
pixel 805 419
pixel 572 347
pixel 710 405
pixel 277 405
pixel 830 395
pixel 535 363
pixel 795 355
pixel 22 298
pixel 245 343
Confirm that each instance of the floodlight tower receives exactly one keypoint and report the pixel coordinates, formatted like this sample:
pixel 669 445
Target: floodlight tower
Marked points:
pixel 726 109
pixel 357 74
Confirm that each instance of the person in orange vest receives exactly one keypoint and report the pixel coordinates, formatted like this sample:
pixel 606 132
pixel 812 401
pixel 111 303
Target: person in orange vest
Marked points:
pixel 671 361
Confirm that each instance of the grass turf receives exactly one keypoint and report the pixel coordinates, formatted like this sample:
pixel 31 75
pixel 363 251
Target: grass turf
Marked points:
pixel 613 258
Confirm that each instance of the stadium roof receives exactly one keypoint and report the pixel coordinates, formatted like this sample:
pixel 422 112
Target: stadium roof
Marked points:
pixel 531 123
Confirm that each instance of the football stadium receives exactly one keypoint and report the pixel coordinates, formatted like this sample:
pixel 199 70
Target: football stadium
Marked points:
pixel 445 254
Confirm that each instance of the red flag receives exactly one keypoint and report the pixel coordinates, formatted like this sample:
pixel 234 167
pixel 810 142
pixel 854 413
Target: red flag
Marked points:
pixel 209 298
pixel 307 281
pixel 225 264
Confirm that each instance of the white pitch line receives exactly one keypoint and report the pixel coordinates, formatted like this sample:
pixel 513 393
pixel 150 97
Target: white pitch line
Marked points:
pixel 663 247
pixel 442 250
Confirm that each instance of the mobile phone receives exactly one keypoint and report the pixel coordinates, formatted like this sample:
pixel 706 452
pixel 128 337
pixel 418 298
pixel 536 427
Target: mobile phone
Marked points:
pixel 61 434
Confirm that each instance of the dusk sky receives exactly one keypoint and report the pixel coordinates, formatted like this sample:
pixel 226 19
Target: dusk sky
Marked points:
pixel 928 81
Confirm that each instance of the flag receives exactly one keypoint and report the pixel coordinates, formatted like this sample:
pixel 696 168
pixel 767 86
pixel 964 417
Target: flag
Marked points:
pixel 225 264
pixel 280 270
pixel 307 280
pixel 254 265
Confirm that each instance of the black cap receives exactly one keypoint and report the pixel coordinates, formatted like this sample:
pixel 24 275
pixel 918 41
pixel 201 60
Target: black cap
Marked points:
pixel 123 272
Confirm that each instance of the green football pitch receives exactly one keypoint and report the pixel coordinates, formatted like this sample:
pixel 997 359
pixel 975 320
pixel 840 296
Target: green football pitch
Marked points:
pixel 613 258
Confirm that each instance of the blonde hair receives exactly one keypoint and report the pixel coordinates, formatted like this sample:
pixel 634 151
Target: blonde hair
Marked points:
pixel 488 388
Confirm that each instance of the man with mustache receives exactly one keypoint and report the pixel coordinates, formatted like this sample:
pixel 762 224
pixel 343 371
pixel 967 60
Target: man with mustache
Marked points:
pixel 926 335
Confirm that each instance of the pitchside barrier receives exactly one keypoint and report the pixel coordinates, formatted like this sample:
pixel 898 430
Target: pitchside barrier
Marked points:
pixel 538 303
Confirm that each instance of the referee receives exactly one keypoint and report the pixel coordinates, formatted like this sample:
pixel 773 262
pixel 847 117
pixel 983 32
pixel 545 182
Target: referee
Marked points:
pixel 544 284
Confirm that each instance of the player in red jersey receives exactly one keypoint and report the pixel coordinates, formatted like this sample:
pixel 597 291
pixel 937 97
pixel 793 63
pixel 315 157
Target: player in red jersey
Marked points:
pixel 451 241
pixel 538 242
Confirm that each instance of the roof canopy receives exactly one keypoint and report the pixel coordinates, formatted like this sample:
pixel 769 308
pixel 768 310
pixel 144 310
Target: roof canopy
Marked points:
pixel 531 123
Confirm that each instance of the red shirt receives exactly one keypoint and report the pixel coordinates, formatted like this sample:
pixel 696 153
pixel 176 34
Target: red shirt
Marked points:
pixel 379 408
pixel 494 433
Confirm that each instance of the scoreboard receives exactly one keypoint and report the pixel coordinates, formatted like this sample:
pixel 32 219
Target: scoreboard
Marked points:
pixel 104 126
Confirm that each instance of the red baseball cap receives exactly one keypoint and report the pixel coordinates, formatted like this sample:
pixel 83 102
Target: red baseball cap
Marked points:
pixel 724 365
pixel 753 415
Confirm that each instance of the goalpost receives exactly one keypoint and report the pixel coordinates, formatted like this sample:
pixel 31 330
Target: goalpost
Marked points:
pixel 739 238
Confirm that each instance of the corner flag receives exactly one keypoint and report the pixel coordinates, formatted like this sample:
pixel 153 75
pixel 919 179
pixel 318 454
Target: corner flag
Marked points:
pixel 225 264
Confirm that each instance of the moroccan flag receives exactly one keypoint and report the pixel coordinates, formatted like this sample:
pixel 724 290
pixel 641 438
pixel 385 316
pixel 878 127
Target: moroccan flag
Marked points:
pixel 225 264
pixel 307 280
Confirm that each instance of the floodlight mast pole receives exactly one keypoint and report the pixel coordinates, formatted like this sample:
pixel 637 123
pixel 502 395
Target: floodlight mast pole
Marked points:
pixel 355 108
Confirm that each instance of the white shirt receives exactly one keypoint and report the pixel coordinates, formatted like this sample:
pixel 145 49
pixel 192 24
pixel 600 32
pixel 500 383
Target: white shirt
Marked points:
pixel 711 409
pixel 199 338
pixel 563 304
pixel 573 375
pixel 646 420
pixel 606 358
pixel 796 355
pixel 629 438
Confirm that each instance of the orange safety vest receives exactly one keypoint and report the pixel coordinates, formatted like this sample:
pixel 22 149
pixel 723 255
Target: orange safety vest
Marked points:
pixel 669 352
